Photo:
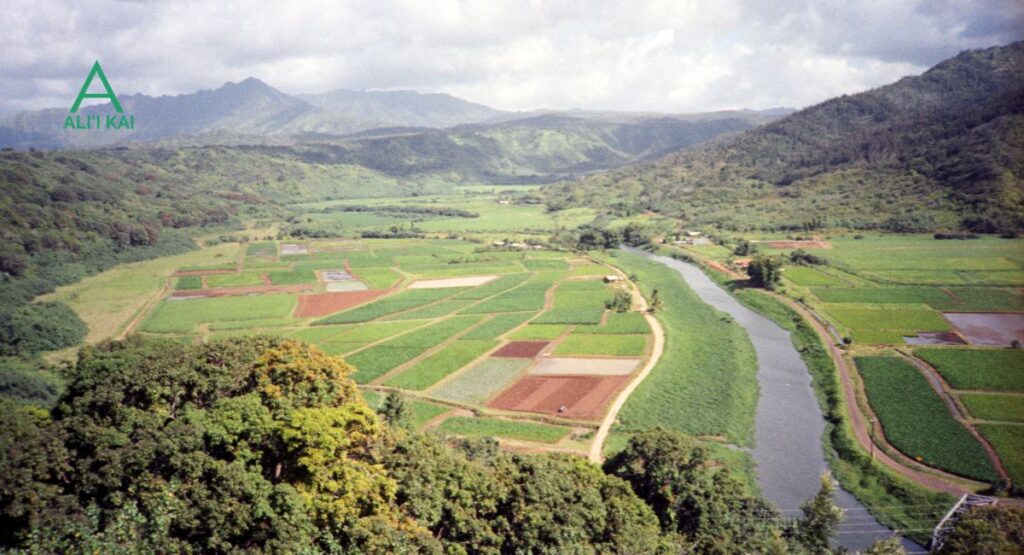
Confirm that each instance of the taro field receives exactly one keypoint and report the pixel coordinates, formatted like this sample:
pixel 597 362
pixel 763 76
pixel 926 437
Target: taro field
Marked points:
pixel 482 339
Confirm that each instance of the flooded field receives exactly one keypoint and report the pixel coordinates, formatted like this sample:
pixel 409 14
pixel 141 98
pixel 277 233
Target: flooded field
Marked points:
pixel 988 329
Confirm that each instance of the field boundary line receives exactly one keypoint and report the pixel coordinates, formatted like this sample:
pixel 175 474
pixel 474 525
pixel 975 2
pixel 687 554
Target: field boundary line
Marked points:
pixel 144 311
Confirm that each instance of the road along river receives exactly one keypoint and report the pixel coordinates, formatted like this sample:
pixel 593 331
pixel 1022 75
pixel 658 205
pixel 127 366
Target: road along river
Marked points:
pixel 789 423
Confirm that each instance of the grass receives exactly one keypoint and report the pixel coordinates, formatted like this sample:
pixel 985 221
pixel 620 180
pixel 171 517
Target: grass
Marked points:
pixel 184 316
pixel 545 264
pixel 1008 442
pixel 977 368
pixel 251 324
pixel 705 387
pixel 619 322
pixel 526 431
pixel 539 331
pixel 481 381
pixel 571 316
pixel 917 422
pixel 607 345
pixel 498 325
pixel 984 406
pixel 188 283
pixel 434 368
pixel 318 334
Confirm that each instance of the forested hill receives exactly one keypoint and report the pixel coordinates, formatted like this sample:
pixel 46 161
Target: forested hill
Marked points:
pixel 943 149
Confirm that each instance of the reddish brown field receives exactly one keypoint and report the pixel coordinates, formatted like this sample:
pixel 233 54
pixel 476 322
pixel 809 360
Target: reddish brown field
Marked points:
pixel 583 396
pixel 322 304
pixel 521 349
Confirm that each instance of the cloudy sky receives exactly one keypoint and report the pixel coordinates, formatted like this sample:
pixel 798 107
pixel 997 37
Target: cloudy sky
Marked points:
pixel 651 55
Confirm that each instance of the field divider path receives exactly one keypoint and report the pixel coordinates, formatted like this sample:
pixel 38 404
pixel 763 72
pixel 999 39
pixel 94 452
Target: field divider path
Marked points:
pixel 945 393
pixel 658 347
pixel 145 309
pixel 886 454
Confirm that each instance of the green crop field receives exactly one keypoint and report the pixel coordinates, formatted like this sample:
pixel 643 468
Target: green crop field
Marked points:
pixel 878 323
pixel 434 368
pixel 513 429
pixel 917 422
pixel 523 298
pixel 806 275
pixel 183 316
pixel 434 334
pixel 481 381
pixel 1001 370
pixel 571 316
pixel 403 300
pixel 608 345
pixel 241 279
pixel 700 387
pixel 581 294
pixel 990 406
pixel 292 277
pixel 186 283
pixel 375 361
pixel 1008 442
pixel 378 278
pixel 264 248
pixel 619 322
pixel 539 331
pixel 498 325
pixel 499 285
pixel 431 311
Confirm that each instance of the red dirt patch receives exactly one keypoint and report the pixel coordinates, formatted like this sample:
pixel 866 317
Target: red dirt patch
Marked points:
pixel 242 291
pixel 521 349
pixel 322 304
pixel 584 397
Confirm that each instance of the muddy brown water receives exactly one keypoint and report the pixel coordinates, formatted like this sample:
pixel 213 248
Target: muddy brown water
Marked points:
pixel 789 423
pixel 988 329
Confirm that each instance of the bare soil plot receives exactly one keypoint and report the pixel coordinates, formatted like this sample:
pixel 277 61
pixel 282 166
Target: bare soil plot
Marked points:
pixel 336 275
pixel 521 349
pixel 292 248
pixel 322 304
pixel 582 397
pixel 568 366
pixel 988 329
pixel 935 338
pixel 470 281
pixel 343 286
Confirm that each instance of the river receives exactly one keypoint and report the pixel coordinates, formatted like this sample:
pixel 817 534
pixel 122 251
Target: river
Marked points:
pixel 789 423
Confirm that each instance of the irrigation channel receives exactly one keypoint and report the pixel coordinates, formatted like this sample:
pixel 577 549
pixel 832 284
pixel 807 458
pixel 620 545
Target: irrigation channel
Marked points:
pixel 789 423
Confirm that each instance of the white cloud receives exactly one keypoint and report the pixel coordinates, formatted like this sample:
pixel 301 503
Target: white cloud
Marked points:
pixel 654 55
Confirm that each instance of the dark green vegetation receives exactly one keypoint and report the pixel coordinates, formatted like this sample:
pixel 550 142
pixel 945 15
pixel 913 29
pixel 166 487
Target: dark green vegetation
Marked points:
pixel 916 421
pixel 165 447
pixel 978 368
pixel 880 160
pixel 998 529
pixel 708 362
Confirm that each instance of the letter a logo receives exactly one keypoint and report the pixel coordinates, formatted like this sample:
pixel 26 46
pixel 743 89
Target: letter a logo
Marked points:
pixel 96 71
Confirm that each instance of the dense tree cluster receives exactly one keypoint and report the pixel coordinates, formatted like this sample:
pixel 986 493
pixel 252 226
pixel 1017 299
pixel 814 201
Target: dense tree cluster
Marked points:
pixel 265 445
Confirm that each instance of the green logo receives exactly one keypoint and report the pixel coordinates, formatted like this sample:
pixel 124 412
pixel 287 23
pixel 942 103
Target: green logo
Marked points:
pixel 96 121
